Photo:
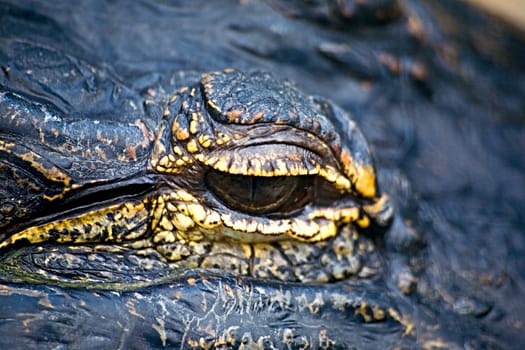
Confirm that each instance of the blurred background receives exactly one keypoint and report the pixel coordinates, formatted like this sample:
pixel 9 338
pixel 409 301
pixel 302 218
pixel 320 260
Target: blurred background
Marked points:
pixel 512 11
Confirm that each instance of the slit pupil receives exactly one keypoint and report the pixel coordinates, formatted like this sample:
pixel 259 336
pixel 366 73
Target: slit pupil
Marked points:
pixel 253 190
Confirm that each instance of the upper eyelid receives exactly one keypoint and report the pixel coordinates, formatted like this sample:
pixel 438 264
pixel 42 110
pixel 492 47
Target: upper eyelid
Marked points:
pixel 265 160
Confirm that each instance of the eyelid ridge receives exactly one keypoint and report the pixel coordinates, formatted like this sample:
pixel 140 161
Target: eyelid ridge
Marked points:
pixel 265 160
pixel 270 160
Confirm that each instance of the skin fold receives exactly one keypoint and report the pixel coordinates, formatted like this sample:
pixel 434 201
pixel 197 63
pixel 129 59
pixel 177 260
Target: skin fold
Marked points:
pixel 258 175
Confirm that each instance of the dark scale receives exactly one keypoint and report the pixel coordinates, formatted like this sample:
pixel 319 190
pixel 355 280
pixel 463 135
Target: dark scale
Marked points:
pixel 260 175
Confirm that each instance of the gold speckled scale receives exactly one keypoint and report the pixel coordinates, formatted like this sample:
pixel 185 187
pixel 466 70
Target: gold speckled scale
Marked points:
pixel 244 173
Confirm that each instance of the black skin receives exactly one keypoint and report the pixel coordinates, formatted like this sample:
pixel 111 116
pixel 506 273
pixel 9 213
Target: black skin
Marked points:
pixel 444 113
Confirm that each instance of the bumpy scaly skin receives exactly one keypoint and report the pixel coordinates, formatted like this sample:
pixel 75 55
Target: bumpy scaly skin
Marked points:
pixel 249 126
pixel 83 89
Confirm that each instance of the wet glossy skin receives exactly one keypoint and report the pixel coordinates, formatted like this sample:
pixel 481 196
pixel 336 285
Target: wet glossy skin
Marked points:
pixel 437 100
pixel 247 175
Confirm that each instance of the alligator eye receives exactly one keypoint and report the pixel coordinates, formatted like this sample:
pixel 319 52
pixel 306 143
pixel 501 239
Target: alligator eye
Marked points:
pixel 261 195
